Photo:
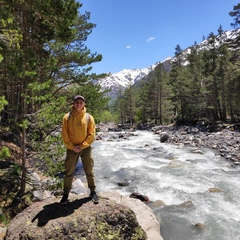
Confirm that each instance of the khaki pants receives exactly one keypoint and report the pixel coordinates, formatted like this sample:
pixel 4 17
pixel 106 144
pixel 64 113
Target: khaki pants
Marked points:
pixel 70 166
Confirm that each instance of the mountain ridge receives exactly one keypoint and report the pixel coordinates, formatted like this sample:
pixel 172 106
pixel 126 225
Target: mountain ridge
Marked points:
pixel 127 77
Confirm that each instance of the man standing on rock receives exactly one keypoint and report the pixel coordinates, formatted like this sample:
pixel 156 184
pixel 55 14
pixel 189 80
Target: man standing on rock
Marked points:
pixel 78 133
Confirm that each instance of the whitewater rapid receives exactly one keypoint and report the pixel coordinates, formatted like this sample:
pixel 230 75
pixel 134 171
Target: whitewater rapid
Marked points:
pixel 173 174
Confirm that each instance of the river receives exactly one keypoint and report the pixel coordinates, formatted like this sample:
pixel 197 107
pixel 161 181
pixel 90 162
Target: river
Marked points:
pixel 178 177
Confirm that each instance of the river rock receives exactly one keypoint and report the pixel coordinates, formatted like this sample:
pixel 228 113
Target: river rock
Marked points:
pixel 198 151
pixel 164 138
pixel 78 187
pixel 123 184
pixel 139 196
pixel 41 195
pixel 214 190
pixel 224 140
pixel 98 137
pixel 200 225
pixel 157 203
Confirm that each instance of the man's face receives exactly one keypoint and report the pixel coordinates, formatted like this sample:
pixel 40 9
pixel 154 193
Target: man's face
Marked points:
pixel 79 104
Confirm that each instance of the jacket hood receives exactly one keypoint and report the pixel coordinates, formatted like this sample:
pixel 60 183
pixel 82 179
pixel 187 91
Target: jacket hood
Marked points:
pixel 76 113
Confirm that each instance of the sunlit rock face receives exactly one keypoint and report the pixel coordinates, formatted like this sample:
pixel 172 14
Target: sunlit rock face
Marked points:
pixel 114 217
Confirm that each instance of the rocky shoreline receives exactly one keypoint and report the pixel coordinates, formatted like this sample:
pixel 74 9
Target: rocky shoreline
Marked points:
pixel 224 139
pixel 225 142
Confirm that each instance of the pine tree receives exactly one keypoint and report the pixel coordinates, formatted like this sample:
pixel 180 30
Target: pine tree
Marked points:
pixel 196 99
pixel 143 101
pixel 178 80
pixel 162 95
pixel 236 15
pixel 43 53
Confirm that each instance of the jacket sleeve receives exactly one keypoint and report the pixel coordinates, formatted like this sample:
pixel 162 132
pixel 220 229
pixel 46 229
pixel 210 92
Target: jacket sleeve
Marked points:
pixel 91 132
pixel 65 135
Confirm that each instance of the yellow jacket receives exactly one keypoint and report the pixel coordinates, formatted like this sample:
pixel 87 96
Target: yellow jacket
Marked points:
pixel 77 129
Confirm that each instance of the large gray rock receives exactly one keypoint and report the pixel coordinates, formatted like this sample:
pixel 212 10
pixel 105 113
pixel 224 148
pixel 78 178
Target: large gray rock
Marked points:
pixel 115 217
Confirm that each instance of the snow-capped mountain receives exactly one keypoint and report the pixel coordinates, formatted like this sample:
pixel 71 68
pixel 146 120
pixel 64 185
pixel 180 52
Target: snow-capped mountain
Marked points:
pixel 220 39
pixel 123 79
pixel 128 77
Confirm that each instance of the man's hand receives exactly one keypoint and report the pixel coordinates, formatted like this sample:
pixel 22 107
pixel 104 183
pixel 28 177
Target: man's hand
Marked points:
pixel 77 149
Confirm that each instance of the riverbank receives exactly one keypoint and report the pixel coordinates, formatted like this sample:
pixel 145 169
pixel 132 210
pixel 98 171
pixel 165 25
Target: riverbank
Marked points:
pixel 225 142
pixel 225 139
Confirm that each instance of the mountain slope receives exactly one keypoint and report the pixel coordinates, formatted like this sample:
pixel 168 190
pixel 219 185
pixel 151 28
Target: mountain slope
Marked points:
pixel 128 77
pixel 123 79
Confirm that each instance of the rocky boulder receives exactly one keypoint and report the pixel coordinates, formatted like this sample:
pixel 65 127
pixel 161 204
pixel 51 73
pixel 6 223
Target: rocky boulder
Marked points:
pixel 115 217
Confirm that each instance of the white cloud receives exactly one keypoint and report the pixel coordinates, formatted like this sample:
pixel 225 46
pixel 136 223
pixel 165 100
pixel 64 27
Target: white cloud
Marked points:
pixel 150 39
pixel 128 46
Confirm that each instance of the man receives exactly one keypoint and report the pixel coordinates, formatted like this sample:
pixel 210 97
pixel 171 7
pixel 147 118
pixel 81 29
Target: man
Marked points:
pixel 78 133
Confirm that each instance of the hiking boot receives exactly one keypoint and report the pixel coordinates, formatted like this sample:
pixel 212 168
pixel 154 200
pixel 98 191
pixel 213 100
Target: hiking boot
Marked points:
pixel 94 197
pixel 64 199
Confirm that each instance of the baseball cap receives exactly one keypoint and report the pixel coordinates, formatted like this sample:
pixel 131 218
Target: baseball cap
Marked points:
pixel 78 97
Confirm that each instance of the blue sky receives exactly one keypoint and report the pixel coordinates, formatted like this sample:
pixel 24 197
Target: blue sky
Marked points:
pixel 133 34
